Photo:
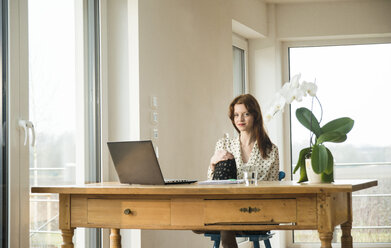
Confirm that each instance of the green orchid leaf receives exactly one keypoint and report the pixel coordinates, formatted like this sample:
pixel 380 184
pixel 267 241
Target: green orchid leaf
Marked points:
pixel 319 158
pixel 330 163
pixel 343 125
pixel 301 159
pixel 333 136
pixel 307 119
pixel 303 174
pixel 301 164
pixel 297 166
pixel 327 178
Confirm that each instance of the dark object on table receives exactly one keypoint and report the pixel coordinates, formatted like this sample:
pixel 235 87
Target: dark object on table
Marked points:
pixel 225 170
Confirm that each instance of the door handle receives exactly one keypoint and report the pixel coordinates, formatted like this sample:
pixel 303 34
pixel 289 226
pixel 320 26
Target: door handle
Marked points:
pixel 27 125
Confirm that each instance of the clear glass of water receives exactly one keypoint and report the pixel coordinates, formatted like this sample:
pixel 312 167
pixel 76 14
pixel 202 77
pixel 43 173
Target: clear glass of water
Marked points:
pixel 250 176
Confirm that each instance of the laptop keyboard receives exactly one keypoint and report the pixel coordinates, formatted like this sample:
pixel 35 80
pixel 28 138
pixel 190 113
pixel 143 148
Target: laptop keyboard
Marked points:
pixel 178 181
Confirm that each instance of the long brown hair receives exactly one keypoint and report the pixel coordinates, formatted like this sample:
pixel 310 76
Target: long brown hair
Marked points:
pixel 252 106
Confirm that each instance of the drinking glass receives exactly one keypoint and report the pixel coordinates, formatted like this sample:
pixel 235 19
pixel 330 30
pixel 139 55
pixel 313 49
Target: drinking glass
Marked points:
pixel 250 176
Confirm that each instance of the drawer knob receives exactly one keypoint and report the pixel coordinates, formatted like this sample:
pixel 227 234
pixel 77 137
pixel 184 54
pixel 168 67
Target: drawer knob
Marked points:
pixel 127 211
pixel 250 210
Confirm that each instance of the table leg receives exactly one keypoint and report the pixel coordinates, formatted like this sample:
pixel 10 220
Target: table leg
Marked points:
pixel 325 239
pixel 115 238
pixel 346 239
pixel 67 235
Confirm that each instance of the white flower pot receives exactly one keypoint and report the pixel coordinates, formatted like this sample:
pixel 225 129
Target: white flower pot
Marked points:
pixel 312 176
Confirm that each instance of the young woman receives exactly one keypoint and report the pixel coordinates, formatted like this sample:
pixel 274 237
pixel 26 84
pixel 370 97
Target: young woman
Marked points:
pixel 251 148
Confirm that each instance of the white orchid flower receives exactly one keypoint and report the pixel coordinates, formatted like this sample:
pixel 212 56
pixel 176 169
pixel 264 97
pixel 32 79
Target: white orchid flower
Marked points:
pixel 289 88
pixel 276 107
pixel 290 91
pixel 285 90
pixel 294 94
pixel 310 88
pixel 298 94
pixel 295 81
pixel 279 102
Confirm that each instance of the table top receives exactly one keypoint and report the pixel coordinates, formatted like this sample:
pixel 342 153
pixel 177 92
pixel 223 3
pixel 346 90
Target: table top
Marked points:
pixel 263 187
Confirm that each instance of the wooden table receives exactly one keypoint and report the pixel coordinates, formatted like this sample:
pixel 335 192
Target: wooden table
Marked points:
pixel 267 206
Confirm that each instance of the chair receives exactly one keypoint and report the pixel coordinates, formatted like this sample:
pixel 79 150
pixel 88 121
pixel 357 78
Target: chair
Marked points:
pixel 254 237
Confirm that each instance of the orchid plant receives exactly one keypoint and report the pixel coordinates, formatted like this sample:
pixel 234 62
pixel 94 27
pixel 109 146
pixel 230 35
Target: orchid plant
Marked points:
pixel 335 131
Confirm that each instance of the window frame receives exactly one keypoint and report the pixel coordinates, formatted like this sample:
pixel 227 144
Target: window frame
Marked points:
pixel 285 45
pixel 93 134
pixel 4 128
pixel 17 83
pixel 242 43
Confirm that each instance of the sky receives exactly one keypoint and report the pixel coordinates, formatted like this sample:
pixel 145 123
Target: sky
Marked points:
pixel 353 81
pixel 52 75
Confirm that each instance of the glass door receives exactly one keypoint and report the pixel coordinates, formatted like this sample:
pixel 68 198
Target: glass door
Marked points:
pixel 53 91
pixel 60 102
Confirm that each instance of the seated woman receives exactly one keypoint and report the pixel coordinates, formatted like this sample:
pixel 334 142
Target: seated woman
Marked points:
pixel 251 148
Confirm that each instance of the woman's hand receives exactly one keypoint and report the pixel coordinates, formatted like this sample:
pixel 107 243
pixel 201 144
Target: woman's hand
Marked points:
pixel 220 155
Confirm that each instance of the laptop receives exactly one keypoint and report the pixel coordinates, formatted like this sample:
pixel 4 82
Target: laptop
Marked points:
pixel 136 163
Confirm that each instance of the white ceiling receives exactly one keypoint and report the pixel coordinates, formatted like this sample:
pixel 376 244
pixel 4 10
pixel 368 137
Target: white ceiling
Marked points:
pixel 304 1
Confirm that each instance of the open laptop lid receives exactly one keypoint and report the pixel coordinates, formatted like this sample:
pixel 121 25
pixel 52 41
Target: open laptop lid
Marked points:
pixel 136 162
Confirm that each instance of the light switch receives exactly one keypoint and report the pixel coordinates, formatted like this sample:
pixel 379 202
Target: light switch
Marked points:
pixel 154 103
pixel 154 117
pixel 154 133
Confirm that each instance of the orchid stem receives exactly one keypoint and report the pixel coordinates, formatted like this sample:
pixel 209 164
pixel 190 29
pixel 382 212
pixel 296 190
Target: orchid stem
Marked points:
pixel 311 133
pixel 320 120
pixel 321 110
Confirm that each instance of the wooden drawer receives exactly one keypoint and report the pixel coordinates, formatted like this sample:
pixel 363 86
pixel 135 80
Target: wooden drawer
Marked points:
pixel 265 211
pixel 143 213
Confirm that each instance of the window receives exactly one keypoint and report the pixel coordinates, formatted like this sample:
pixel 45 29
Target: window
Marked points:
pixel 353 81
pixel 238 70
pixel 239 53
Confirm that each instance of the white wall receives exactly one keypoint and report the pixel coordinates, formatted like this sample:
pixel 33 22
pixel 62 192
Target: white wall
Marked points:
pixel 117 66
pixel 333 19
pixel 252 14
pixel 185 60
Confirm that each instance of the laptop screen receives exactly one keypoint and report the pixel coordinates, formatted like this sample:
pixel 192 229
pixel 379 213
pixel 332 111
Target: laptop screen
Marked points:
pixel 135 162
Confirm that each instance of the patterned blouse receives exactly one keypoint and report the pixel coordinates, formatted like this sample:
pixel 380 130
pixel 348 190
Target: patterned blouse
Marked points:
pixel 267 168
